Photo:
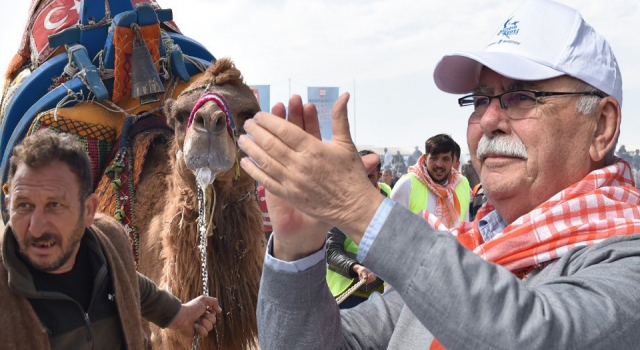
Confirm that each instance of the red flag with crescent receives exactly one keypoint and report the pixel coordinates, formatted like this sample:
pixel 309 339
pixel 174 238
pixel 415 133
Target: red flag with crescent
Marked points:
pixel 53 16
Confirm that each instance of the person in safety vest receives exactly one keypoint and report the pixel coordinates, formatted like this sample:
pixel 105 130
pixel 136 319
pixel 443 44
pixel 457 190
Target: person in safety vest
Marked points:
pixel 343 269
pixel 434 185
pixel 386 179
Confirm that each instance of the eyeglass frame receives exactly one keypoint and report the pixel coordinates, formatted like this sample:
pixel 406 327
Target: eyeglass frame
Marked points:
pixel 537 94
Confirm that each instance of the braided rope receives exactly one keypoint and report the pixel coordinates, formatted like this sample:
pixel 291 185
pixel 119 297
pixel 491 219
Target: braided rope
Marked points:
pixel 70 97
pixel 342 297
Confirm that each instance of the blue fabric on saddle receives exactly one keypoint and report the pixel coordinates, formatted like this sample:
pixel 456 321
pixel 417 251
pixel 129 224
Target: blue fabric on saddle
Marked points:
pixel 81 65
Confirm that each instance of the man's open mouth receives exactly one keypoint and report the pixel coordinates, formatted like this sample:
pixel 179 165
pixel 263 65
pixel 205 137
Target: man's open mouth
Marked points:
pixel 47 244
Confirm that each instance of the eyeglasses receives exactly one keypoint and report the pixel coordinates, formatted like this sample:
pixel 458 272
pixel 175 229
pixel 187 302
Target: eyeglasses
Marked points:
pixel 517 104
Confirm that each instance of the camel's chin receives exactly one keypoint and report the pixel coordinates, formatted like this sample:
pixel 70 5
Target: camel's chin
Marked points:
pixel 217 155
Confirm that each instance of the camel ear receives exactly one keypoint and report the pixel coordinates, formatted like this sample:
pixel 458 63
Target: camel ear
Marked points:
pixel 168 110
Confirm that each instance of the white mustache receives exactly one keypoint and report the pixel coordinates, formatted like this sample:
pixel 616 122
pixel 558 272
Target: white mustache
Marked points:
pixel 501 146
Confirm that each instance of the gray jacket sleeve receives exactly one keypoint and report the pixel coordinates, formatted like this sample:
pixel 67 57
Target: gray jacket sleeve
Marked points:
pixel 297 311
pixel 589 299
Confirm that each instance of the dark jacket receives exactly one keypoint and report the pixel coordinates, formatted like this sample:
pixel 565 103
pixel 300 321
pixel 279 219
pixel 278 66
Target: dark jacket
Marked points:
pixel 342 261
pixel 35 319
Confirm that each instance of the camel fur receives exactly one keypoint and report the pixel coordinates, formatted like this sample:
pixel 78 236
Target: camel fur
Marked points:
pixel 169 248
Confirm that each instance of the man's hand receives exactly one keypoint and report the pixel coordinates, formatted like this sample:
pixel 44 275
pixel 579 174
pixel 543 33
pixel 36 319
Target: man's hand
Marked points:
pixel 364 274
pixel 196 316
pixel 326 181
pixel 288 222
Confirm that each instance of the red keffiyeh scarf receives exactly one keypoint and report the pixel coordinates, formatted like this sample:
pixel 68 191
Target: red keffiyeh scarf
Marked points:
pixel 603 204
pixel 447 204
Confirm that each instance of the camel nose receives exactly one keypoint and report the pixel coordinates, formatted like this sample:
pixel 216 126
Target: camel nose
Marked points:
pixel 214 123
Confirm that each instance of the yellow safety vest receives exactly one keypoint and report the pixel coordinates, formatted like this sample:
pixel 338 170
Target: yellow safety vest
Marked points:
pixel 420 195
pixel 337 282
pixel 384 187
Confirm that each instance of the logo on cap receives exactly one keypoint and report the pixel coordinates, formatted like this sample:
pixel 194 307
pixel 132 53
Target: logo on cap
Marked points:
pixel 509 28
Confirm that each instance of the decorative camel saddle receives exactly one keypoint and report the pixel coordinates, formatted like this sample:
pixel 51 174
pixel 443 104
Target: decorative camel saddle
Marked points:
pixel 120 76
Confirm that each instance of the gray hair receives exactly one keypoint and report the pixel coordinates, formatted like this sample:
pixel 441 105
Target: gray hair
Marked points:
pixel 587 105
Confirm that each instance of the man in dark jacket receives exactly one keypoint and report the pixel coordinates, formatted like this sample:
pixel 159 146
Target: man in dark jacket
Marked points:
pixel 344 270
pixel 67 278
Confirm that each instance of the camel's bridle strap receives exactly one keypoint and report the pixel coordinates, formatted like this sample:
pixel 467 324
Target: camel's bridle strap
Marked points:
pixel 222 104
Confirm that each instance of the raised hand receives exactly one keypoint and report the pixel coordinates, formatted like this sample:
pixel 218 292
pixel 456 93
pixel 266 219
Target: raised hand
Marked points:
pixel 287 221
pixel 326 181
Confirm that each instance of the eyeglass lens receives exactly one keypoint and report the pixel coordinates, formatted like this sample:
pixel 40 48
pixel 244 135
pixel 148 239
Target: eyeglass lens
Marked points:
pixel 517 105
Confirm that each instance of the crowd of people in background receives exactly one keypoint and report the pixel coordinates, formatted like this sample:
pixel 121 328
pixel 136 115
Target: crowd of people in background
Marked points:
pixel 633 158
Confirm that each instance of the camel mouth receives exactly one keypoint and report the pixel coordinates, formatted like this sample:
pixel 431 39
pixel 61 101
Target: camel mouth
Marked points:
pixel 217 153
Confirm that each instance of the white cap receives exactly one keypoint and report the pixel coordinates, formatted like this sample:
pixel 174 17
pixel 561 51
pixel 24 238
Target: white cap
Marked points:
pixel 542 39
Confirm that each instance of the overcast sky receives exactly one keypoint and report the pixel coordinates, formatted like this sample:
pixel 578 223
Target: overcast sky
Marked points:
pixel 382 52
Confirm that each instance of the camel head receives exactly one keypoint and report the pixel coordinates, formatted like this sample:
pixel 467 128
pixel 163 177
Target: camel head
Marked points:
pixel 207 117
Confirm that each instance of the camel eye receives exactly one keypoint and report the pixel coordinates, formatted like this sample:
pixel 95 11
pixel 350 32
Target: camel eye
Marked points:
pixel 181 117
pixel 244 115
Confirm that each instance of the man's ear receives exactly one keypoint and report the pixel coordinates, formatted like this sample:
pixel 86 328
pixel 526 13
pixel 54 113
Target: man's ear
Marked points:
pixel 90 208
pixel 606 130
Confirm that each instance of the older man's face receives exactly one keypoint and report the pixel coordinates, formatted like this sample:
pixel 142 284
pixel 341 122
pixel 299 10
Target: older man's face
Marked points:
pixel 48 218
pixel 555 146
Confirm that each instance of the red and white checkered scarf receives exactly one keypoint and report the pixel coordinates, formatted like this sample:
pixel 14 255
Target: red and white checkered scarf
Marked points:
pixel 603 204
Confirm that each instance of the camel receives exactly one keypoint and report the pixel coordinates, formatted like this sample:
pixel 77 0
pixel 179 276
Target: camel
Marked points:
pixel 169 247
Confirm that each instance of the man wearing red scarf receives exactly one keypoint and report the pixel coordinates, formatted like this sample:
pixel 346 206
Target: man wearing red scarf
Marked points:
pixel 552 261
pixel 434 185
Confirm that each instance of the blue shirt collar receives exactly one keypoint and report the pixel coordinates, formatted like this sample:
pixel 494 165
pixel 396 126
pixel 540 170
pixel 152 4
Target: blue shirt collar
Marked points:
pixel 490 225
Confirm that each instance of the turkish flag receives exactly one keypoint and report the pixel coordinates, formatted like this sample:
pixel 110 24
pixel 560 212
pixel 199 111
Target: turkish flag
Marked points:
pixel 51 18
